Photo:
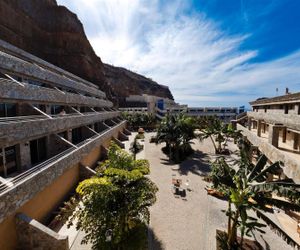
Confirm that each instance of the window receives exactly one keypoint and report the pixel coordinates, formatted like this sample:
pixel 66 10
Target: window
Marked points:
pixel 38 150
pixel 55 109
pixel 286 109
pixel 8 110
pixel 76 135
pixel 10 161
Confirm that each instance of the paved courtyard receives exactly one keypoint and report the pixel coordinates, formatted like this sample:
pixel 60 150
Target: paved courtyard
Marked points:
pixel 188 223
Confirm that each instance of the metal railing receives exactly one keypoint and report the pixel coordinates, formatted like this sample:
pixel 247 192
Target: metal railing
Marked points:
pixel 28 118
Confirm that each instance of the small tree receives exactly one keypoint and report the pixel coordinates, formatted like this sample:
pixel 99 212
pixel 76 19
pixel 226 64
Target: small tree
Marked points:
pixel 114 204
pixel 135 147
pixel 247 189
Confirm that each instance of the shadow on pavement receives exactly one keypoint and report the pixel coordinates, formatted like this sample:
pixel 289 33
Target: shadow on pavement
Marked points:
pixel 153 242
pixel 197 163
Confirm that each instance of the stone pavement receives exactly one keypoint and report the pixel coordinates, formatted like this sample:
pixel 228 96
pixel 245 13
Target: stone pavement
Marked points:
pixel 189 223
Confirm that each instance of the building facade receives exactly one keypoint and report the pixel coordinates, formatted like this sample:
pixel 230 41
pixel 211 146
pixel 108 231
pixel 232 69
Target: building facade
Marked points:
pixel 159 106
pixel 273 126
pixel 54 128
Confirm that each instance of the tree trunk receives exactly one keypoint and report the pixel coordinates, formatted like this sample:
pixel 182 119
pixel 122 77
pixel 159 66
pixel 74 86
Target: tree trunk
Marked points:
pixel 233 231
pixel 213 142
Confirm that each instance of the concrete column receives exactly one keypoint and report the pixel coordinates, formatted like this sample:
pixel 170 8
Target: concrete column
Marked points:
pixel 296 141
pixel 69 135
pixel 23 155
pixel 4 162
pixel 48 109
pixel 273 135
pixel 264 127
pixel 92 126
pixel 259 126
pixel 297 108
pixel 284 134
pixel 249 123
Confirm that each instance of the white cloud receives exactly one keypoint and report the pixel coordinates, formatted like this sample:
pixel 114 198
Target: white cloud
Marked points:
pixel 189 53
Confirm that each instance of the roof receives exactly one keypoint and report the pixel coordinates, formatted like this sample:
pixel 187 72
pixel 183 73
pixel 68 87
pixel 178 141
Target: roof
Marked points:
pixel 278 99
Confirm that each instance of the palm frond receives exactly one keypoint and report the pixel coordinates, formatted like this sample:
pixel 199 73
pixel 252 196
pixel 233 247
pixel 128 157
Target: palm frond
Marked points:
pixel 283 189
pixel 258 167
pixel 281 204
pixel 262 176
pixel 274 227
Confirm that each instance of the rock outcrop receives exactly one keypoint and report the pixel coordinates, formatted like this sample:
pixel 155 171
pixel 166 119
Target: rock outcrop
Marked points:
pixel 56 35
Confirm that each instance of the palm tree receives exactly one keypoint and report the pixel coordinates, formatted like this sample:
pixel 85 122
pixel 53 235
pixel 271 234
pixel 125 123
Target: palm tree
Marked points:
pixel 219 132
pixel 176 130
pixel 248 189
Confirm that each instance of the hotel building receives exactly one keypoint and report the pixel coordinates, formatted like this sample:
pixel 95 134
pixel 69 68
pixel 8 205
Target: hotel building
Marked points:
pixel 159 106
pixel 54 128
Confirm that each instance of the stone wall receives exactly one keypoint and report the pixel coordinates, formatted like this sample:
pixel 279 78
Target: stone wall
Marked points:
pixel 33 235
pixel 291 166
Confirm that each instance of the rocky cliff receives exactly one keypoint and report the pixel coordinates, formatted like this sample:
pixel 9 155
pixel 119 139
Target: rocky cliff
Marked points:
pixel 125 82
pixel 55 34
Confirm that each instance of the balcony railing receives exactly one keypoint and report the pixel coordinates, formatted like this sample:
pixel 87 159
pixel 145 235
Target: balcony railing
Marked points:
pixel 11 183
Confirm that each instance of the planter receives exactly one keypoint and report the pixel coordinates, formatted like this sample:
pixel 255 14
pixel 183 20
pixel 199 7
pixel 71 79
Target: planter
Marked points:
pixel 247 244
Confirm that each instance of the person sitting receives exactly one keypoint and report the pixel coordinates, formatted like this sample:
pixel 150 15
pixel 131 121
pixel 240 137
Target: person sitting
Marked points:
pixel 62 112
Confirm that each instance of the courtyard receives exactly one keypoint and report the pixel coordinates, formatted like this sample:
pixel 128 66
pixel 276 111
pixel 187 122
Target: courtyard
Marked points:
pixel 188 222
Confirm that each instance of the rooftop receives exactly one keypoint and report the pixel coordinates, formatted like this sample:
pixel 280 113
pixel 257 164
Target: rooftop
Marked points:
pixel 287 98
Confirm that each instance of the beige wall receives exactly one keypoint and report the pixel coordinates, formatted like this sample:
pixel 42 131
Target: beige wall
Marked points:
pixel 40 206
pixel 91 159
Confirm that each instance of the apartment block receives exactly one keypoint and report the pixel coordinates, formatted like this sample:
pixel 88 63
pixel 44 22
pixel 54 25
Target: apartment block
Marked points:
pixel 54 129
pixel 273 126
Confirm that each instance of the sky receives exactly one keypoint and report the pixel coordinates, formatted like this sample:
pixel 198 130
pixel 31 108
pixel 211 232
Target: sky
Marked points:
pixel 209 52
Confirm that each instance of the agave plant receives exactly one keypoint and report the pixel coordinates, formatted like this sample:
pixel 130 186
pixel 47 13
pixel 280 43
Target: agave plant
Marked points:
pixel 248 189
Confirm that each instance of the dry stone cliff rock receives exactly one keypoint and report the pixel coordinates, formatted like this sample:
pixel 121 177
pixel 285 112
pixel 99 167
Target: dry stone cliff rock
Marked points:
pixel 55 34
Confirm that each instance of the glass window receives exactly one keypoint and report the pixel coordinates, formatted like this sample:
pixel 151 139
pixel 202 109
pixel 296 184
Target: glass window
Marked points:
pixel 10 158
pixel 38 150
pixel 7 109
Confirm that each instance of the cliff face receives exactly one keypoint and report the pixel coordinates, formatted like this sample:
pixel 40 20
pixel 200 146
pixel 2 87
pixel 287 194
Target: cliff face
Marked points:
pixel 55 34
pixel 125 82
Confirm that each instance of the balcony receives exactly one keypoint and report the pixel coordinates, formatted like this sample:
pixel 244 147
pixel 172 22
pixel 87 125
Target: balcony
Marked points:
pixel 13 91
pixel 275 117
pixel 23 67
pixel 18 190
pixel 291 160
pixel 24 128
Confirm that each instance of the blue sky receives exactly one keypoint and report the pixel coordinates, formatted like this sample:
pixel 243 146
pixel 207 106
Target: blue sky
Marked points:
pixel 209 52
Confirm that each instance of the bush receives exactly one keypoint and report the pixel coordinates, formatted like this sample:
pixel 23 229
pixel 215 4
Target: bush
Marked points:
pixel 140 136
